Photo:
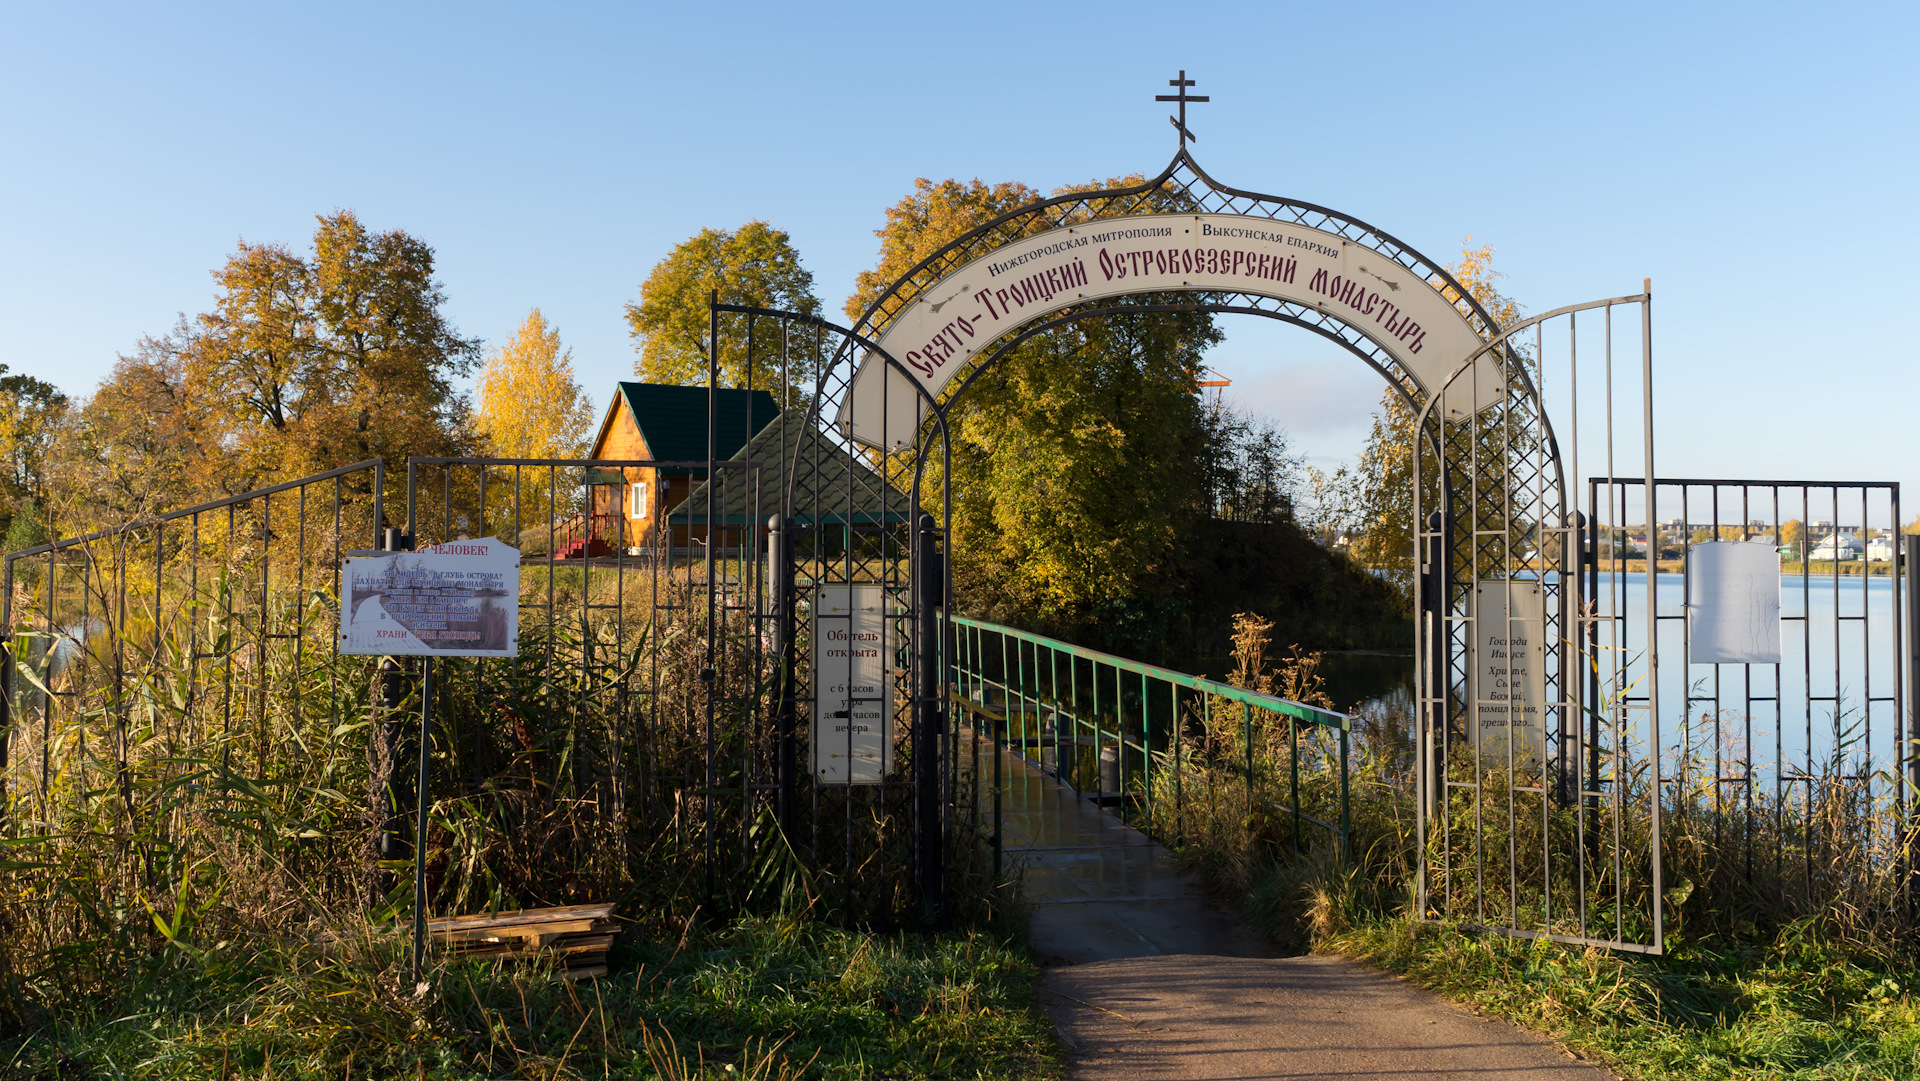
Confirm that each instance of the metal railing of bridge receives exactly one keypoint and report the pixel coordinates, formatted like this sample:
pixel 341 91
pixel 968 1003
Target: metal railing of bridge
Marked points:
pixel 1137 738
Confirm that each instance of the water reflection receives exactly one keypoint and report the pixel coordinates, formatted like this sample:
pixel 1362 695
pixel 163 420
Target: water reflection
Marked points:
pixel 1357 679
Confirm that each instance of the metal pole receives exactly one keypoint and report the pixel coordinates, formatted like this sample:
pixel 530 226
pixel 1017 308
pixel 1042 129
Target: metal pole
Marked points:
pixel 420 797
pixel 1653 616
pixel 1911 542
pixel 1437 601
pixel 926 737
pixel 385 735
pixel 780 585
pixel 707 674
pixel 1568 789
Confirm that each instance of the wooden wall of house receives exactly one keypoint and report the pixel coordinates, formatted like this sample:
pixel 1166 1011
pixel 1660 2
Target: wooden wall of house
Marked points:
pixel 623 440
pixel 664 492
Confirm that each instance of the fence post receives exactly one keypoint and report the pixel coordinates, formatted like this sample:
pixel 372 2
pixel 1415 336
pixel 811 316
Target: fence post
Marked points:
pixel 1346 794
pixel 1246 719
pixel 1437 602
pixel 384 740
pixel 1293 777
pixel 421 800
pixel 928 686
pixel 780 586
pixel 1911 544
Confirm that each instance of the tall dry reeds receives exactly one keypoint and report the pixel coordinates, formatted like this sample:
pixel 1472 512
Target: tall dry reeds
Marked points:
pixel 191 762
pixel 1502 850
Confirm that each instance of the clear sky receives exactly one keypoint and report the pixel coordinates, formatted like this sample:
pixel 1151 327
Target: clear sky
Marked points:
pixel 1755 160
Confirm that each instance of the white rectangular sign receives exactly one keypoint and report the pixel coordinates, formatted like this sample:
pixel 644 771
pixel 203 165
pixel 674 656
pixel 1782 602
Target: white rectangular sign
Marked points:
pixel 852 695
pixel 1507 680
pixel 1733 603
pixel 459 599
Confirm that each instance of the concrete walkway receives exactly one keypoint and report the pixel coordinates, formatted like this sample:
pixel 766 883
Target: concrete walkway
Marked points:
pixel 1147 978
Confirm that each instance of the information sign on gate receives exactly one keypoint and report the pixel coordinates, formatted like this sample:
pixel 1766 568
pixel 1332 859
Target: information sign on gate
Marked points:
pixel 459 599
pixel 1507 681
pixel 852 651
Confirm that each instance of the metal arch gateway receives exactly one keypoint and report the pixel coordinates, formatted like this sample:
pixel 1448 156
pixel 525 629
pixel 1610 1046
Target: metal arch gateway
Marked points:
pixel 1179 232
pixel 1544 795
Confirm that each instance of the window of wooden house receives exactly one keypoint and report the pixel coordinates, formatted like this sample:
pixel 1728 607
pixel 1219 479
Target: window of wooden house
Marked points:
pixel 637 500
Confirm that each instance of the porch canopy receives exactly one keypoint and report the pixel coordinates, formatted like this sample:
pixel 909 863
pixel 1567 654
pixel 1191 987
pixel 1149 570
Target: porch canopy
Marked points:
pixel 831 486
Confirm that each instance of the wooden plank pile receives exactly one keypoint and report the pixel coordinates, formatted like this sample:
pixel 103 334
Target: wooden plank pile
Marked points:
pixel 579 934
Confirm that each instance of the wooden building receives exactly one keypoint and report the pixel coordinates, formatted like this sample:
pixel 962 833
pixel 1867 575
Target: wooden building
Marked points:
pixel 659 422
pixel 840 503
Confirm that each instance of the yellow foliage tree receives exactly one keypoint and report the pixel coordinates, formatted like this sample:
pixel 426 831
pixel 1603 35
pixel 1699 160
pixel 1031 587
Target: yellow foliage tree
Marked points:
pixel 1793 534
pixel 530 406
pixel 1374 500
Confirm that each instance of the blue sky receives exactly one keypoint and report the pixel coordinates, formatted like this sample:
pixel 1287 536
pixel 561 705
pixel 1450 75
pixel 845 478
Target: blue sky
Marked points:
pixel 1756 161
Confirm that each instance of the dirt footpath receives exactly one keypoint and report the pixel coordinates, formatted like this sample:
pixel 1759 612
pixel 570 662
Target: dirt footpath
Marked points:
pixel 1194 1016
pixel 1146 978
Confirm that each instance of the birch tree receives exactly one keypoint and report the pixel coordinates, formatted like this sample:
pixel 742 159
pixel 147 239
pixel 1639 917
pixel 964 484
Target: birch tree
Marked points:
pixel 530 405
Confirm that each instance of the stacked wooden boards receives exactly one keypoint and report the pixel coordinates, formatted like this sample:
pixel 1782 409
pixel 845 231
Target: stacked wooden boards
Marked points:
pixel 579 934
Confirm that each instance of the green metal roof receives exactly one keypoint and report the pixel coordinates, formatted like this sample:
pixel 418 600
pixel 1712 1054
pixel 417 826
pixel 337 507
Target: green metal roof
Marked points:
pixel 673 419
pixel 831 485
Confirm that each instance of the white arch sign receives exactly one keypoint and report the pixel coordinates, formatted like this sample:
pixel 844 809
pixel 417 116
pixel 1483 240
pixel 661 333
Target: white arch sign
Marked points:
pixel 963 314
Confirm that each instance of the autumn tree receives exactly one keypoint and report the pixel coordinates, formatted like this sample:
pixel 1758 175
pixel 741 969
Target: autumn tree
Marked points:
pixel 755 265
pixel 1373 500
pixel 1793 534
pixel 309 362
pixel 31 411
pixel 1079 460
pixel 135 447
pixel 529 404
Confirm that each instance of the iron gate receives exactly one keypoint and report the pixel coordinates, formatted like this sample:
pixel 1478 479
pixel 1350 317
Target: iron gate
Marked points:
pixel 843 525
pixel 1539 802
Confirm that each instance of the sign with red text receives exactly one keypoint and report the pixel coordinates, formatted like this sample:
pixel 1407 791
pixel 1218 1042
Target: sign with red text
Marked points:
pixel 852 694
pixel 459 599
pixel 962 315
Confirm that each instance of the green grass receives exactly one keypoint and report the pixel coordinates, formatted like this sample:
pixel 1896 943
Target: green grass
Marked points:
pixel 1802 1005
pixel 760 999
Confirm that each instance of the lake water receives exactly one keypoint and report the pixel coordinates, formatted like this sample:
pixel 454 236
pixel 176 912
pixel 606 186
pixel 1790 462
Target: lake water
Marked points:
pixel 1836 683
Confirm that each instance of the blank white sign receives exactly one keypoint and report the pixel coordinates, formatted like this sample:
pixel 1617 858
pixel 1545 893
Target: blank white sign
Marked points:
pixel 1733 603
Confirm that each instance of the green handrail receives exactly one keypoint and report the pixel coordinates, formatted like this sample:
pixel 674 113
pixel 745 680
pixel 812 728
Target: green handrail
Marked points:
pixel 1016 682
pixel 1312 714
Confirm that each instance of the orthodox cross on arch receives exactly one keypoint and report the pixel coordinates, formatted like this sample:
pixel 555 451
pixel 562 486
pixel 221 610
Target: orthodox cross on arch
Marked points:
pixel 1182 97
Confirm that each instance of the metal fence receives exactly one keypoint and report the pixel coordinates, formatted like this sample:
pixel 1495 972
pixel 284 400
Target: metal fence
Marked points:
pixel 172 693
pixel 1173 754
pixel 1786 782
pixel 621 739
